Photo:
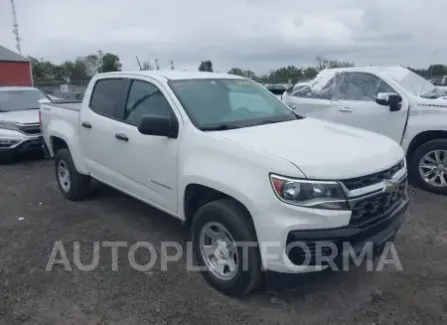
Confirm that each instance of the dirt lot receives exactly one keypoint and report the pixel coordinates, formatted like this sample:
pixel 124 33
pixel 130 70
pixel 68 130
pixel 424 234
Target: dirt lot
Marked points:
pixel 33 215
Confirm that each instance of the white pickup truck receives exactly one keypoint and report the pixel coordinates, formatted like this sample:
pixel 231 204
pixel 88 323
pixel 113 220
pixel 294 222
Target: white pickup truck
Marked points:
pixel 236 165
pixel 392 101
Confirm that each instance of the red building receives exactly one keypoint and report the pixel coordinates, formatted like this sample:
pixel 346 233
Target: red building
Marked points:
pixel 15 70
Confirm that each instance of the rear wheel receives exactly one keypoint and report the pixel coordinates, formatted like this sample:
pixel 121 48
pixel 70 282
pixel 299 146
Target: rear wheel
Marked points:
pixel 428 166
pixel 73 185
pixel 218 230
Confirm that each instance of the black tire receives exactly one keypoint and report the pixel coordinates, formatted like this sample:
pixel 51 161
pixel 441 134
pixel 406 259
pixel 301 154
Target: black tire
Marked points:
pixel 237 221
pixel 79 183
pixel 413 165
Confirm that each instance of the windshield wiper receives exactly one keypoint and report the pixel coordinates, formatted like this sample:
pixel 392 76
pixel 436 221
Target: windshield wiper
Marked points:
pixel 220 127
pixel 275 121
pixel 267 122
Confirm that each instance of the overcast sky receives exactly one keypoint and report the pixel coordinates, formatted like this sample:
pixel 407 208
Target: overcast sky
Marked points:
pixel 251 34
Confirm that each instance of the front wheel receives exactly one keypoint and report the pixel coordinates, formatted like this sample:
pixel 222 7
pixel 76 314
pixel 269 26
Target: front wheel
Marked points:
pixel 220 229
pixel 428 166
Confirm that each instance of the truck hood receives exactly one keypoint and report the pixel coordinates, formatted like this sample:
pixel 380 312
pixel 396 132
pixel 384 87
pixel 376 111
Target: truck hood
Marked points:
pixel 321 150
pixel 21 116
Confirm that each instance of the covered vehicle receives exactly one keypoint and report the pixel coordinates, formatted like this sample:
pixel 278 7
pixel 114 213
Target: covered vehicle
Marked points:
pixel 277 89
pixel 393 101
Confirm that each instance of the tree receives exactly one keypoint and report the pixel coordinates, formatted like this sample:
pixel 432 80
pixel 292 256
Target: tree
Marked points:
pixel 44 70
pixel 92 64
pixel 310 72
pixel 110 62
pixel 243 73
pixel 437 70
pixel 236 71
pixel 77 70
pixel 323 63
pixel 147 65
pixel 206 65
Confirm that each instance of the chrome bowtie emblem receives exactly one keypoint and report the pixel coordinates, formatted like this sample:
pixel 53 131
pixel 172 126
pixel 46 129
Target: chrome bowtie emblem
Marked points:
pixel 391 186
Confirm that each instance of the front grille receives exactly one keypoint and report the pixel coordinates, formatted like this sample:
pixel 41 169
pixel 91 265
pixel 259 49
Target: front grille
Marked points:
pixel 370 209
pixel 31 128
pixel 363 181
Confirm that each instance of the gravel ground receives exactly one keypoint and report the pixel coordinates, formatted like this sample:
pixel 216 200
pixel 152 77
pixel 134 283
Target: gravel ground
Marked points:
pixel 33 215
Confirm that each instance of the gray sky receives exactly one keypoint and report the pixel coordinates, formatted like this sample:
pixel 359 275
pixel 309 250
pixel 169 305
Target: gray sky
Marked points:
pixel 250 34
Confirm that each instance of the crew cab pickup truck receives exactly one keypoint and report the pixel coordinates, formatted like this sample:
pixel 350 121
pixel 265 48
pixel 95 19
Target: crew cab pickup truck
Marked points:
pixel 236 165
pixel 392 101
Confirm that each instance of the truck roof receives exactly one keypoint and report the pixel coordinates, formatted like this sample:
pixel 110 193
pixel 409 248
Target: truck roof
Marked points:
pixel 395 72
pixel 174 74
pixel 384 69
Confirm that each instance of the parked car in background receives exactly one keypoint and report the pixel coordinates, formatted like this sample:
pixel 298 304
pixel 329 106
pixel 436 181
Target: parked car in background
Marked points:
pixel 74 96
pixel 441 83
pixel 19 120
pixel 236 165
pixel 296 88
pixel 392 101
pixel 277 89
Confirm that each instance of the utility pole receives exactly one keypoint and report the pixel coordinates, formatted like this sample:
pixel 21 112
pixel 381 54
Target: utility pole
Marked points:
pixel 15 26
pixel 100 61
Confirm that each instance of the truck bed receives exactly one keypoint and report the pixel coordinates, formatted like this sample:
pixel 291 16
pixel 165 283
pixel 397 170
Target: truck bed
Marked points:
pixel 67 104
pixel 61 118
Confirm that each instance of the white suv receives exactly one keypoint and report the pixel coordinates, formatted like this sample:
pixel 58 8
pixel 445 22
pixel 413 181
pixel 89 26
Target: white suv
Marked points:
pixel 19 120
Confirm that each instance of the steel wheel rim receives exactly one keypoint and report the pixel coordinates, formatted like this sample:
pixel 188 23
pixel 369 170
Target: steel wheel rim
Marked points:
pixel 433 168
pixel 63 175
pixel 219 251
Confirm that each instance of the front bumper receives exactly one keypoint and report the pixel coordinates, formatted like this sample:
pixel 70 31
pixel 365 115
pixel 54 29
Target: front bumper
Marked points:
pixel 308 250
pixel 335 244
pixel 32 144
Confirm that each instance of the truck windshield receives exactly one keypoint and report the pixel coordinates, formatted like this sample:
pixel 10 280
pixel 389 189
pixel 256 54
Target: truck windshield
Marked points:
pixel 412 82
pixel 222 104
pixel 15 100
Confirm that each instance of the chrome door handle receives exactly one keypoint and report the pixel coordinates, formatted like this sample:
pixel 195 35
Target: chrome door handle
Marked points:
pixel 121 137
pixel 345 110
pixel 87 125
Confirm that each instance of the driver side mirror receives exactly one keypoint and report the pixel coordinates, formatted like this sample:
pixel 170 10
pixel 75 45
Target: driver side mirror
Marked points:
pixel 392 100
pixel 159 126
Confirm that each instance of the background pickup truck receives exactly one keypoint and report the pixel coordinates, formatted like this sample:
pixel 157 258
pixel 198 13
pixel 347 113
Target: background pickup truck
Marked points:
pixel 392 101
pixel 235 164
pixel 441 83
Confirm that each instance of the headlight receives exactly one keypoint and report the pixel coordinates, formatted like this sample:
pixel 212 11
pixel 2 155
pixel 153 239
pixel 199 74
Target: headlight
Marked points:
pixel 308 193
pixel 6 143
pixel 9 125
